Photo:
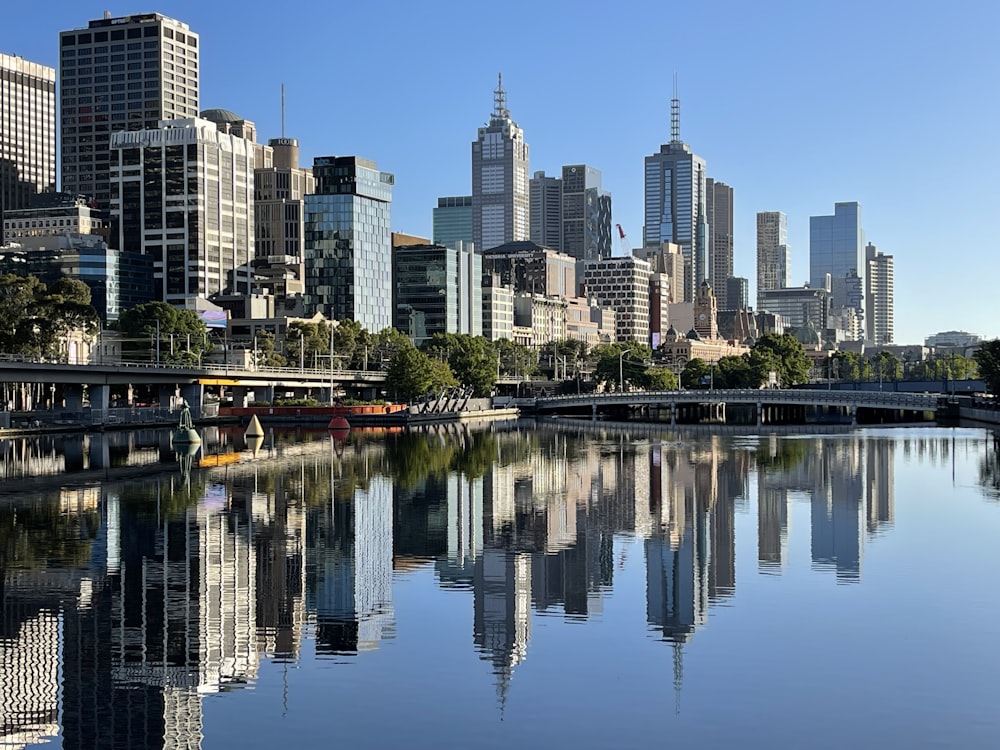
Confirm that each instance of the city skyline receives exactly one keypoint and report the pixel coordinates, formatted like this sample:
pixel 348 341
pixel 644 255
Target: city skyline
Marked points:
pixel 847 128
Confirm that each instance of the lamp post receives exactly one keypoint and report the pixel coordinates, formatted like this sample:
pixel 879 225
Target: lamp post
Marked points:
pixel 621 370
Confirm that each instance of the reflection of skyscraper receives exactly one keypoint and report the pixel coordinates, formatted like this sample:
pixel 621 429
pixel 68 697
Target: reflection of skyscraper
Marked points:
pixel 502 611
pixel 349 558
pixel 837 513
pixel 772 526
pixel 29 681
pixel 880 483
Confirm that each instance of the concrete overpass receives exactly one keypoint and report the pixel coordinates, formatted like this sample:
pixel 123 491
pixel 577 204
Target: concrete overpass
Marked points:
pixel 768 405
pixel 191 381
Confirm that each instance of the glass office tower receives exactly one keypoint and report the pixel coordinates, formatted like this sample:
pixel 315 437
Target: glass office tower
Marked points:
pixel 349 242
pixel 836 247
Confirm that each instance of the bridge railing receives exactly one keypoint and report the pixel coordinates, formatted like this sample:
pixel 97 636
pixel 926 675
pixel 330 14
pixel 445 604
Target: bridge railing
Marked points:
pixel 867 398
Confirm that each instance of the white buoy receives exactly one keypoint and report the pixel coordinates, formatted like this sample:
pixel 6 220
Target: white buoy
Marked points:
pixel 254 429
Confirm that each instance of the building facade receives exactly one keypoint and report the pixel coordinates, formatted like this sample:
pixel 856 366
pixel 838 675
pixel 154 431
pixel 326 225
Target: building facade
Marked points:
pixel 453 221
pixel 27 131
pixel 545 200
pixel 879 296
pixel 836 249
pixel 719 215
pixel 349 243
pixel 622 284
pixel 586 214
pixel 675 204
pixel 436 289
pixel 774 268
pixel 529 268
pixel 125 73
pixel 737 293
pixel 279 221
pixel 183 194
pixel 498 309
pixel 500 196
pixel 796 305
pixel 51 214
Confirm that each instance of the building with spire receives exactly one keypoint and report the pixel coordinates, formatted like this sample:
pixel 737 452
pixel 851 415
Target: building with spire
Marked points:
pixel 500 195
pixel 675 204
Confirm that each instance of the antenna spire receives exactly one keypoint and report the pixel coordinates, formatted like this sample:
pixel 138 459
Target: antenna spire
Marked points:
pixel 282 110
pixel 500 100
pixel 675 115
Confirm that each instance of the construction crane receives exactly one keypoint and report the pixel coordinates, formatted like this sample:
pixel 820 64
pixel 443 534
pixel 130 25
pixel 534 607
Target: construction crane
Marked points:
pixel 623 248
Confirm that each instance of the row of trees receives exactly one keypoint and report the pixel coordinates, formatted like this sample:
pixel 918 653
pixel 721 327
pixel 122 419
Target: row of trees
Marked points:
pixel 36 318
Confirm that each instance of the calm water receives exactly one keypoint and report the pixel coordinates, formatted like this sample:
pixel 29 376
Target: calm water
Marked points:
pixel 558 586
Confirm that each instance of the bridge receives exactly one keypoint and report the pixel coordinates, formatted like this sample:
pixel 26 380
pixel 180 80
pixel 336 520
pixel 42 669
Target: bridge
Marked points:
pixel 99 378
pixel 766 405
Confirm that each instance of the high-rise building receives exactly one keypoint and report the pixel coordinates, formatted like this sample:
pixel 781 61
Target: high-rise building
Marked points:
pixel 572 213
pixel 622 284
pixel 453 221
pixel 737 293
pixel 719 215
pixel 182 193
pixel 879 293
pixel 675 204
pixel 836 248
pixel 279 220
pixel 27 131
pixel 349 242
pixel 500 204
pixel 126 73
pixel 774 259
pixel 529 268
pixel 436 289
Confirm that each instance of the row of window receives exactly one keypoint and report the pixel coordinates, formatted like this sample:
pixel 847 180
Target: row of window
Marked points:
pixel 132 32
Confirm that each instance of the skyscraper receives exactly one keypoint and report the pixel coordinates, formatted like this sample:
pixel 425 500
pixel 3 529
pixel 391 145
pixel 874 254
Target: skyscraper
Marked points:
pixel 123 73
pixel 836 247
pixel 182 193
pixel 500 204
pixel 545 199
pixel 774 266
pixel 675 204
pixel 453 221
pixel 879 302
pixel 572 213
pixel 719 215
pixel 27 131
pixel 349 242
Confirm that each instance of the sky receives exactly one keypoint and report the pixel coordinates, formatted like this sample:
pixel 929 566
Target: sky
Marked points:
pixel 796 105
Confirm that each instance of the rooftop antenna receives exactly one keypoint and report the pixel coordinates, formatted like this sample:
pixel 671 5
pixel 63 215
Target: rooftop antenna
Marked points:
pixel 282 110
pixel 500 100
pixel 675 115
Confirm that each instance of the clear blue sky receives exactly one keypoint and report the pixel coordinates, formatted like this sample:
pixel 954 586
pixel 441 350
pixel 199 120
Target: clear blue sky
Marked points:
pixel 797 105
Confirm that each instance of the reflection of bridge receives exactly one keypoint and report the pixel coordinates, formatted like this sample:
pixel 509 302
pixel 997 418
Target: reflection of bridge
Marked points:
pixel 768 404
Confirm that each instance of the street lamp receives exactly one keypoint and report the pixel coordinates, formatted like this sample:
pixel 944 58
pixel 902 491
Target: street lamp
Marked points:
pixel 621 374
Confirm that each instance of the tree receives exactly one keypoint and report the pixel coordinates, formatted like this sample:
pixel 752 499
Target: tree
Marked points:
pixel 306 342
pixel 347 335
pixel 265 353
pixel 384 345
pixel 183 336
pixel 987 358
pixel 471 358
pixel 412 374
pixel 35 320
pixel 517 360
pixel 785 355
pixel 660 379
pixel 735 371
pixel 612 362
pixel 696 374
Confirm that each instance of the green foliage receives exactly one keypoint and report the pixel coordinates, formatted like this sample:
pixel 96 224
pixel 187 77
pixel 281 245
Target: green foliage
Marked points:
pixel 296 402
pixel 660 379
pixel 735 371
pixel 516 360
pixel 265 354
pixel 35 320
pixel 413 374
pixel 472 359
pixel 612 362
pixel 346 337
pixel 139 325
pixel 696 374
pixel 784 355
pixel 987 358
pixel 306 342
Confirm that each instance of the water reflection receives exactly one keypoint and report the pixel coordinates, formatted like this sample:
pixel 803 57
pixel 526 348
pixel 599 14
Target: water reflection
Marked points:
pixel 125 602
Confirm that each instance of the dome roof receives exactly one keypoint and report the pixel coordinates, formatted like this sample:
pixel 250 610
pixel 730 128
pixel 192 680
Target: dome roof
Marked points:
pixel 671 334
pixel 807 335
pixel 694 335
pixel 220 115
pixel 750 341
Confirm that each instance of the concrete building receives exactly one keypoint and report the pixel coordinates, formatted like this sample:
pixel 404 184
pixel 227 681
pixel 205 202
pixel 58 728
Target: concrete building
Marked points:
pixel 572 213
pixel 27 131
pixel 879 297
pixel 279 221
pixel 545 200
pixel 198 231
pixel 545 316
pixel 436 289
pixel 530 268
pixel 666 259
pixel 675 204
pixel 622 285
pixel 796 305
pixel 498 309
pixel 49 214
pixel 348 242
pixel 588 322
pixel 774 258
pixel 836 249
pixel 125 73
pixel 500 203
pixel 453 221
pixel 719 215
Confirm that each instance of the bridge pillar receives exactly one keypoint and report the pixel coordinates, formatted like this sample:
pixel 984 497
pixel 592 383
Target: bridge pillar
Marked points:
pixel 673 413
pixel 593 411
pixel 760 413
pixel 167 393
pixel 73 395
pixel 193 393
pixel 853 409
pixel 239 394
pixel 72 447
pixel 99 395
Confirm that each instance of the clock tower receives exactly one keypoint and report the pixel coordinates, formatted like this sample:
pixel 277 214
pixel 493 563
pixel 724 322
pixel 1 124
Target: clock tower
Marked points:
pixel 705 313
